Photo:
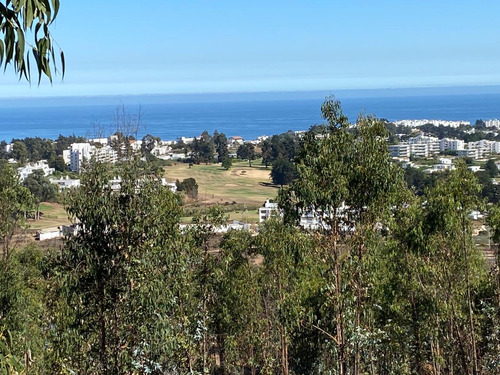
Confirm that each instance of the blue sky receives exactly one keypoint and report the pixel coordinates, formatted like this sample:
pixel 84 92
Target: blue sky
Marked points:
pixel 159 46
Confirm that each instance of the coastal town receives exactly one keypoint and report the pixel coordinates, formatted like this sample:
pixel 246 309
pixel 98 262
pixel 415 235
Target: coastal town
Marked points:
pixel 410 145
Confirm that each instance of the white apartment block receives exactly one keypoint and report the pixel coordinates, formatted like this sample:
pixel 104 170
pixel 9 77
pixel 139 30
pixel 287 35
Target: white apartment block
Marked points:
pixel 79 152
pixel 405 150
pixel 484 147
pixel 471 153
pixel 493 123
pixel 29 168
pixel 447 144
pixel 401 150
pixel 417 123
pixel 431 142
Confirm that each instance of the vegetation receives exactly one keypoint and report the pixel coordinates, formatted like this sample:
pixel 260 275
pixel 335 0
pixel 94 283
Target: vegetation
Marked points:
pixel 189 186
pixel 246 151
pixel 17 19
pixel 390 281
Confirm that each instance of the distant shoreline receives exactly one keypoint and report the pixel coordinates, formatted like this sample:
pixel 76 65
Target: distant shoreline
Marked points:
pixel 247 118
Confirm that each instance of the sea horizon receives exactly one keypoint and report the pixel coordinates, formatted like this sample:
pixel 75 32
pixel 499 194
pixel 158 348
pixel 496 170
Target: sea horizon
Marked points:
pixel 170 116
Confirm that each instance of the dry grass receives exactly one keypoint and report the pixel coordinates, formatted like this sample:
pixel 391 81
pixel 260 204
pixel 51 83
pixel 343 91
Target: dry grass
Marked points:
pixel 54 215
pixel 240 184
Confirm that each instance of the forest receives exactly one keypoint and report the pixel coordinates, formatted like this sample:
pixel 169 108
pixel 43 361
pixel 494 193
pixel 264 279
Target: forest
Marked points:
pixel 392 283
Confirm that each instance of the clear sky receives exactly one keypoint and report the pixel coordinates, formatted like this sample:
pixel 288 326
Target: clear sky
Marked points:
pixel 178 46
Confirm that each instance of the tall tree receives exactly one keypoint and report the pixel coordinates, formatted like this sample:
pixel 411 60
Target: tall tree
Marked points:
pixel 220 141
pixel 283 172
pixel 15 202
pixel 110 268
pixel 246 151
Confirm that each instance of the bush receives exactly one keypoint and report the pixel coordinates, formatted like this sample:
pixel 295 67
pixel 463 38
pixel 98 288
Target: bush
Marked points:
pixel 189 186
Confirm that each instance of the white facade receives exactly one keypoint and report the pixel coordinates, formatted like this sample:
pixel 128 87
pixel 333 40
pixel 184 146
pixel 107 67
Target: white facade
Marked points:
pixel 79 152
pixel 417 123
pixel 48 234
pixel 471 153
pixel 447 144
pixel 236 140
pixel 29 168
pixel 431 142
pixel 267 210
pixel 401 150
pixel 493 123
pixel 65 183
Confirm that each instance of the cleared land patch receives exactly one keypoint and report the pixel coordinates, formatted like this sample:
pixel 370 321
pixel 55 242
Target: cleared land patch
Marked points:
pixel 54 215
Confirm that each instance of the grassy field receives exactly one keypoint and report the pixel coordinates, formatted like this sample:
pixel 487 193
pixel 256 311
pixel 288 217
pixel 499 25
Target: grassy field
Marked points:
pixel 54 215
pixel 240 184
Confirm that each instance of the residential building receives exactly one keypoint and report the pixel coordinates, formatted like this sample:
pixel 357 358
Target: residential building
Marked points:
pixel 79 152
pixel 235 140
pixel 29 168
pixel 267 210
pixel 471 153
pixel 447 144
pixel 65 183
pixel 401 150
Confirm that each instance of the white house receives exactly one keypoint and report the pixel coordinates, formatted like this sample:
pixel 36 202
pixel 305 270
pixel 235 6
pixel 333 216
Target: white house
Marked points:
pixel 65 183
pixel 29 168
pixel 236 140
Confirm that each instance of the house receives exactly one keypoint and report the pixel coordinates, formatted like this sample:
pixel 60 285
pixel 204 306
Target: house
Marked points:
pixel 171 185
pixel 267 210
pixel 236 140
pixel 65 183
pixel 29 168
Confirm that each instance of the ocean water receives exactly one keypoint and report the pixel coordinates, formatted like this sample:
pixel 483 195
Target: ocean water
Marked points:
pixel 246 118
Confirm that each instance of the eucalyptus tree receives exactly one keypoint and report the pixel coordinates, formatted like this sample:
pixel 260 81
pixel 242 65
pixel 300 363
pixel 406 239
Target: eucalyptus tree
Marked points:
pixel 115 275
pixel 15 202
pixel 290 279
pixel 432 281
pixel 346 178
pixel 448 205
pixel 322 184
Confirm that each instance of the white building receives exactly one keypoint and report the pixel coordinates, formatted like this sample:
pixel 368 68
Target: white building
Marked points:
pixel 492 123
pixel 171 185
pixel 80 152
pixel 267 210
pixel 65 183
pixel 471 153
pixel 431 142
pixel 235 140
pixel 401 150
pixel 48 234
pixel 29 168
pixel 447 144
pixel 417 123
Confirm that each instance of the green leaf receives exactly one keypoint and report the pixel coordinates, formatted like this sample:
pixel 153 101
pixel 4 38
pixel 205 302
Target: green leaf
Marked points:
pixel 63 63
pixel 2 51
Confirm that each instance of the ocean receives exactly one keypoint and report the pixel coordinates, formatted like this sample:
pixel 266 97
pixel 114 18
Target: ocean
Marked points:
pixel 249 118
